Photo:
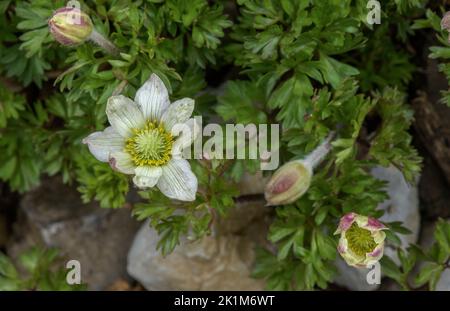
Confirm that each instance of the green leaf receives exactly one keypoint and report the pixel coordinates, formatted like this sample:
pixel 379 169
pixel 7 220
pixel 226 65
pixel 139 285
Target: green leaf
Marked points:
pixel 442 237
pixel 280 233
pixel 30 259
pixel 334 71
pixel 7 268
pixel 98 181
pixel 429 273
pixel 325 246
pixel 285 247
pixel 390 268
pixel 7 284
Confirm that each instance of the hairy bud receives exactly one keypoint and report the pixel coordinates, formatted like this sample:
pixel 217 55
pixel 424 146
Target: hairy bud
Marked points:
pixel 445 22
pixel 293 179
pixel 70 26
pixel 288 183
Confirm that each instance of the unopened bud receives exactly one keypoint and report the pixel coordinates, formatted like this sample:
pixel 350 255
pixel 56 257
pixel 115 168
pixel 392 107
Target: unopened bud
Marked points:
pixel 70 26
pixel 293 179
pixel 445 22
pixel 288 183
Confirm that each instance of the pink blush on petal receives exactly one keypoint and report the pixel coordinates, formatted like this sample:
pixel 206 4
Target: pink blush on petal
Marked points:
pixel 341 249
pixel 376 252
pixel 347 221
pixel 112 163
pixel 283 184
pixel 375 224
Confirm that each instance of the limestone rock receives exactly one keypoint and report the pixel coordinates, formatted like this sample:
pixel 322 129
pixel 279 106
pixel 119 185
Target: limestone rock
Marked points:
pixel 444 281
pixel 220 262
pixel 402 205
pixel 353 278
pixel 54 216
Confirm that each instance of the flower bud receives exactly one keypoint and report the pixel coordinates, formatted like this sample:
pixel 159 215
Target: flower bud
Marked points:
pixel 445 22
pixel 293 179
pixel 288 183
pixel 362 240
pixel 70 26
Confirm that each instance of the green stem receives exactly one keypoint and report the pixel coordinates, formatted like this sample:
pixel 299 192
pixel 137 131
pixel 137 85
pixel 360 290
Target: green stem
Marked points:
pixel 318 154
pixel 104 43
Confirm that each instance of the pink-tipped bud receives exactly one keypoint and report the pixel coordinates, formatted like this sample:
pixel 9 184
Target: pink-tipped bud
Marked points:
pixel 293 179
pixel 445 22
pixel 70 26
pixel 288 183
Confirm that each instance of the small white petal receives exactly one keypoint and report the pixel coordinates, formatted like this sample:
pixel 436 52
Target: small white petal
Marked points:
pixel 153 98
pixel 124 115
pixel 187 133
pixel 101 144
pixel 147 176
pixel 177 180
pixel 122 162
pixel 178 112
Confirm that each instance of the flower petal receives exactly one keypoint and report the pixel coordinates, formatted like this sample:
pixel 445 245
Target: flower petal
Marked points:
pixel 152 98
pixel 343 245
pixel 101 144
pixel 187 132
pixel 147 176
pixel 345 222
pixel 374 225
pixel 352 259
pixel 374 256
pixel 122 162
pixel 178 181
pixel 361 221
pixel 124 115
pixel 378 236
pixel 377 252
pixel 178 112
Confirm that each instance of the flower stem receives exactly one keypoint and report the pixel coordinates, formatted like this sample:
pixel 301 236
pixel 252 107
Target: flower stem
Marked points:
pixel 119 89
pixel 104 43
pixel 318 154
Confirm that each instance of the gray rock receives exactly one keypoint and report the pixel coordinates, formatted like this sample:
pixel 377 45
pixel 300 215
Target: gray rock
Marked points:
pixel 427 234
pixel 220 262
pixel 444 281
pixel 353 278
pixel 54 216
pixel 402 205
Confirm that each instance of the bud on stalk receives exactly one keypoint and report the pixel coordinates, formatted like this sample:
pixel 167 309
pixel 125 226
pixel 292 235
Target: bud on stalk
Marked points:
pixel 445 23
pixel 293 179
pixel 71 26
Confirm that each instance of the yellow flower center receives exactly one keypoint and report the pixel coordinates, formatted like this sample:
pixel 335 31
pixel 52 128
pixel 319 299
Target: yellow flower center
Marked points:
pixel 150 145
pixel 360 241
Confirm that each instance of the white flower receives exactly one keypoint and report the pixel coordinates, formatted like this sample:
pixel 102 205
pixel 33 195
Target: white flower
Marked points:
pixel 142 140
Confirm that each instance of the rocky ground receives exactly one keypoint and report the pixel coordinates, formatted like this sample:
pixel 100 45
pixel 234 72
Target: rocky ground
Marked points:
pixel 118 253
